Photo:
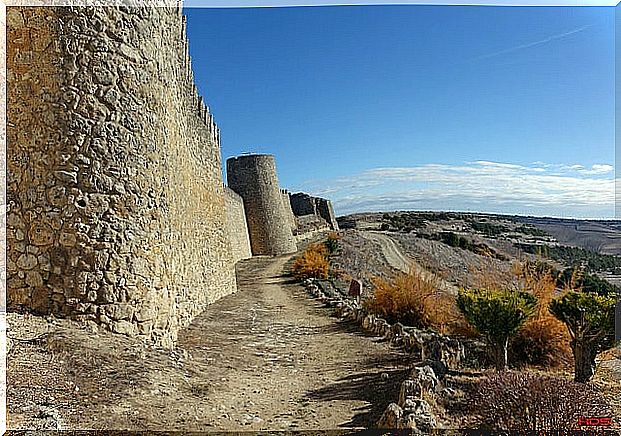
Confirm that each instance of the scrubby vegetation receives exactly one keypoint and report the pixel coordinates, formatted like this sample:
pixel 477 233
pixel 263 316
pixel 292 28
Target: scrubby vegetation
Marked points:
pixel 332 243
pixel 531 230
pixel 586 282
pixel 313 263
pixel 488 229
pixel 573 256
pixel 464 243
pixel 315 260
pixel 497 315
pixel 529 312
pixel 590 320
pixel 543 340
pixel 414 299
pixel 407 222
pixel 521 401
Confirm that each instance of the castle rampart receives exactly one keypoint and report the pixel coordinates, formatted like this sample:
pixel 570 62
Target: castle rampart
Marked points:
pixel 116 210
pixel 254 178
pixel 236 226
pixel 286 201
pixel 305 204
pixel 325 210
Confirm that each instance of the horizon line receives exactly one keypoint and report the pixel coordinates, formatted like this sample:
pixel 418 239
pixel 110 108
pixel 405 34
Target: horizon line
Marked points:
pixel 471 212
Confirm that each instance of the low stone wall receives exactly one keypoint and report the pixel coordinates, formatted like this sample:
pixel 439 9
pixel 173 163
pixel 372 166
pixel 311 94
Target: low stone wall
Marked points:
pixel 310 223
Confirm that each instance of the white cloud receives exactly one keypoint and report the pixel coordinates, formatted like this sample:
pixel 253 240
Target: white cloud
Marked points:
pixel 537 189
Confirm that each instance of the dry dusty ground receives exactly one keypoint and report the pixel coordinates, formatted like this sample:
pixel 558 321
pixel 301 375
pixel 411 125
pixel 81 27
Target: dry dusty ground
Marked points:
pixel 267 357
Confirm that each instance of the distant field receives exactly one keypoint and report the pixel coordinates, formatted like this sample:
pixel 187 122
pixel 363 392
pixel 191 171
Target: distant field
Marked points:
pixel 603 237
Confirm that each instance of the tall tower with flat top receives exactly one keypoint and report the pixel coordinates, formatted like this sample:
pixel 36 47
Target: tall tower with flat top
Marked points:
pixel 254 178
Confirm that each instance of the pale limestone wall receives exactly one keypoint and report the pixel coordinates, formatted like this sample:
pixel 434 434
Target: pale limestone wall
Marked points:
pixel 236 226
pixel 286 201
pixel 116 210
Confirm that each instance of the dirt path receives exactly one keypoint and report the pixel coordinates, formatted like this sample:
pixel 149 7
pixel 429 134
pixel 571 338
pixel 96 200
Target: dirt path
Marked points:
pixel 394 256
pixel 267 357
pixel 391 251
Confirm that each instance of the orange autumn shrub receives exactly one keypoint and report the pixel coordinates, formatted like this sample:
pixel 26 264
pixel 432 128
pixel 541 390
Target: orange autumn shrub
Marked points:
pixel 543 340
pixel 414 299
pixel 313 263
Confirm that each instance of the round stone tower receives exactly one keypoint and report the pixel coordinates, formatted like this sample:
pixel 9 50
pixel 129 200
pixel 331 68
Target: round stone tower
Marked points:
pixel 254 178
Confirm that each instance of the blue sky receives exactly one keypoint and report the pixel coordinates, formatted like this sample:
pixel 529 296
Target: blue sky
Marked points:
pixel 506 110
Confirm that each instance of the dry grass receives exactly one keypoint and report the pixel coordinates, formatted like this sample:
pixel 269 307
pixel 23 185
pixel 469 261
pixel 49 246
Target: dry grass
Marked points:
pixel 415 299
pixel 313 263
pixel 543 340
pixel 488 275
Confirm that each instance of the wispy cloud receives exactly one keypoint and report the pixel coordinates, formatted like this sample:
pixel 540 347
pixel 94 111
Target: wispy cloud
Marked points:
pixel 537 189
pixel 532 44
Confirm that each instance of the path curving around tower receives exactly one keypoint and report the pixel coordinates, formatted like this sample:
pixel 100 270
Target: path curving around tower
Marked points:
pixel 265 358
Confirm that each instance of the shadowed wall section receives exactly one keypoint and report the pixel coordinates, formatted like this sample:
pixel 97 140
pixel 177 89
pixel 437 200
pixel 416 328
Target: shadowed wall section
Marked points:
pixel 303 204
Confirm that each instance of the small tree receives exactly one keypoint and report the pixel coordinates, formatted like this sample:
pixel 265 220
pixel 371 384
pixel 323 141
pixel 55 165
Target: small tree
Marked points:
pixel 497 315
pixel 590 320
pixel 332 242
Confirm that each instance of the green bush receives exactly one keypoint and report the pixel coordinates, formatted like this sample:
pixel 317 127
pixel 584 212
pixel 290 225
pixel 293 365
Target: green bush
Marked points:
pixel 590 319
pixel 332 243
pixel 497 315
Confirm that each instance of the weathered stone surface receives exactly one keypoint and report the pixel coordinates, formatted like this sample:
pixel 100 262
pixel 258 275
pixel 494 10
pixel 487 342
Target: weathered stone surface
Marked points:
pixel 410 389
pixel 419 415
pixel 237 229
pixel 26 261
pixel 125 328
pixel 113 169
pixel 118 311
pixel 426 377
pixel 391 417
pixel 303 204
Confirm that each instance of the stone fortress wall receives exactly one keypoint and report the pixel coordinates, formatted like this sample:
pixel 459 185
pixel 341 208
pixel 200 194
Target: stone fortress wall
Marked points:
pixel 286 201
pixel 236 226
pixel 304 204
pixel 254 178
pixel 116 209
